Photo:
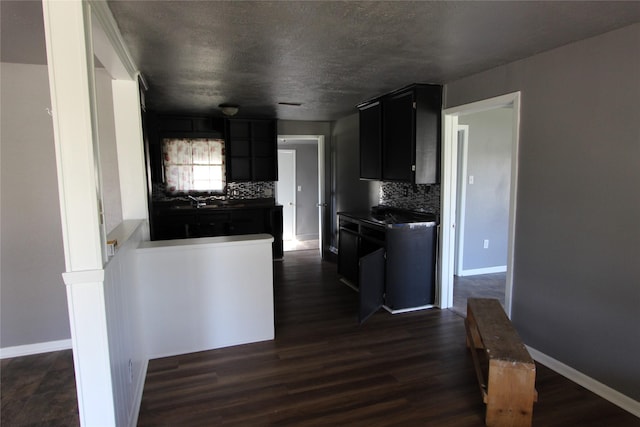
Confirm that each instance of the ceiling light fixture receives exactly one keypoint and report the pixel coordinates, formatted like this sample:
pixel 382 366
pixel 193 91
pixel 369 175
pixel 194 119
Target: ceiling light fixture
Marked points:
pixel 228 109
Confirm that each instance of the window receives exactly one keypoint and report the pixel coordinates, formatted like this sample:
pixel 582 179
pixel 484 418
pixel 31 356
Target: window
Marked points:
pixel 193 165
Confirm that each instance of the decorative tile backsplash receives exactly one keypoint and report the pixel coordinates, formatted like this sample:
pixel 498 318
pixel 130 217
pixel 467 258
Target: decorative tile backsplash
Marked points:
pixel 250 190
pixel 420 197
pixel 234 191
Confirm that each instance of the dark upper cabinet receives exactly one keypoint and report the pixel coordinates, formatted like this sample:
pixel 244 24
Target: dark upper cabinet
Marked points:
pixel 251 150
pixel 371 141
pixel 405 142
pixel 398 152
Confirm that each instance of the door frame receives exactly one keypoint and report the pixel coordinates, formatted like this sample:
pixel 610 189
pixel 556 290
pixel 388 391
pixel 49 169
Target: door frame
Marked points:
pixel 319 139
pixel 444 297
pixel 293 190
pixel 461 198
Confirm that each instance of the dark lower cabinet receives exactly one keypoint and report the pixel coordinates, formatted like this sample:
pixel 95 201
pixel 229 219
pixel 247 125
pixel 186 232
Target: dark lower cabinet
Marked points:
pixel 276 230
pixel 348 243
pixel 371 272
pixel 183 223
pixel 410 266
pixel 392 266
pixel 213 224
pixel 170 225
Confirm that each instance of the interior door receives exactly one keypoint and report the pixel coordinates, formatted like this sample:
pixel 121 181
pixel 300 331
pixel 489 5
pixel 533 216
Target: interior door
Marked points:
pixel 286 192
pixel 371 284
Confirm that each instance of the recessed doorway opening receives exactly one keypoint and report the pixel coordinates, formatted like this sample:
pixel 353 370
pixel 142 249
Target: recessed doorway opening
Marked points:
pixel 300 190
pixel 479 200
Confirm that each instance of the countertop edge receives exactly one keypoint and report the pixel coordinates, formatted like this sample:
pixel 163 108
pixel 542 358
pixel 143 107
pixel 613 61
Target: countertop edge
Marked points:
pixel 205 242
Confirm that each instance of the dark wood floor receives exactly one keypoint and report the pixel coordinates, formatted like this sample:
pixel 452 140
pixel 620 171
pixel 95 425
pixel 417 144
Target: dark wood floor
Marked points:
pixel 325 369
pixel 322 369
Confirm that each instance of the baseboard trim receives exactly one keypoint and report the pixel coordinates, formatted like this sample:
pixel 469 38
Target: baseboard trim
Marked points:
pixel 486 270
pixel 30 349
pixel 133 419
pixel 623 401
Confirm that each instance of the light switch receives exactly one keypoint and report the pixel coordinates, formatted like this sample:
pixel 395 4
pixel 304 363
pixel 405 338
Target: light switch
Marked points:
pixel 470 179
pixel 299 187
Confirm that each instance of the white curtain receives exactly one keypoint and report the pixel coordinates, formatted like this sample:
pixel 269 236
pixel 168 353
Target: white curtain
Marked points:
pixel 193 165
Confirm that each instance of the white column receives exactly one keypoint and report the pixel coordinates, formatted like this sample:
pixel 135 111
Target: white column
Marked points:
pixel 70 62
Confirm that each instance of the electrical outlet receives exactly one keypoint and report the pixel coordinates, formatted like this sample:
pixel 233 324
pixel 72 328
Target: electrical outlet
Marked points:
pixel 486 243
pixel 299 187
pixel 471 179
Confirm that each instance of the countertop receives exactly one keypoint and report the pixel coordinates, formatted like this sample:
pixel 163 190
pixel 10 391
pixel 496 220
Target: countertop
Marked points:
pixel 243 239
pixel 391 218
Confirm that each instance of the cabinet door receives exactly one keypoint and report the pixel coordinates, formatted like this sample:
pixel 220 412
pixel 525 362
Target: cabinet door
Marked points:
pixel 249 221
pixel 398 146
pixel 371 141
pixel 174 226
pixel 238 150
pixel 264 150
pixel 251 150
pixel 410 273
pixel 348 255
pixel 371 272
pixel 213 224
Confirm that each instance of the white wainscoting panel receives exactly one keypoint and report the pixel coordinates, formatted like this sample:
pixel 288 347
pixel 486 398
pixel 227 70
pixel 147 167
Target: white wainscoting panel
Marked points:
pixel 126 343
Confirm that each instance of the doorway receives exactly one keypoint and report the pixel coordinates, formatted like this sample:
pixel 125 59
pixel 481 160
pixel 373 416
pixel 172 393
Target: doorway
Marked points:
pixel 453 195
pixel 308 205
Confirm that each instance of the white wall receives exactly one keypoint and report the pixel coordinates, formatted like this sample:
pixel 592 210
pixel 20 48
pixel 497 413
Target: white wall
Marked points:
pixel 576 293
pixel 487 199
pixel 198 294
pixel 32 294
pixel 112 203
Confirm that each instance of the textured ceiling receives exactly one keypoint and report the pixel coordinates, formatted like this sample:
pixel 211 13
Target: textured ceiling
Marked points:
pixel 329 56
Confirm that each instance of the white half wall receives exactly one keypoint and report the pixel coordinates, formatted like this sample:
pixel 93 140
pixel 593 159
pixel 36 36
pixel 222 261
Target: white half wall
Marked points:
pixel 201 294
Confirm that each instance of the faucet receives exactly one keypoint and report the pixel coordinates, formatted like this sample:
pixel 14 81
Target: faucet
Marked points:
pixel 195 202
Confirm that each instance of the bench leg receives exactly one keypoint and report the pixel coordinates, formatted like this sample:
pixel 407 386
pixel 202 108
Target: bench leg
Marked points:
pixel 511 393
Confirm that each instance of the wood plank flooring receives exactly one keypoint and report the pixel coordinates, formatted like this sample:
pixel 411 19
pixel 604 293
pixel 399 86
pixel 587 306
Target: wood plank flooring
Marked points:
pixel 325 369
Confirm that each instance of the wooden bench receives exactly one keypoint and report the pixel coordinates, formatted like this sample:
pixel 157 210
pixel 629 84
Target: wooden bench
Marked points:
pixel 499 355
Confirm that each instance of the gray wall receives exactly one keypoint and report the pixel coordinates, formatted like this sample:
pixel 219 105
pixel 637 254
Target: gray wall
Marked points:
pixel 487 199
pixel 576 290
pixel 33 303
pixel 307 178
pixel 351 193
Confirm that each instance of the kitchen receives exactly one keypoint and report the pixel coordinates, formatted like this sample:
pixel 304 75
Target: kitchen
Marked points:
pixel 365 192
